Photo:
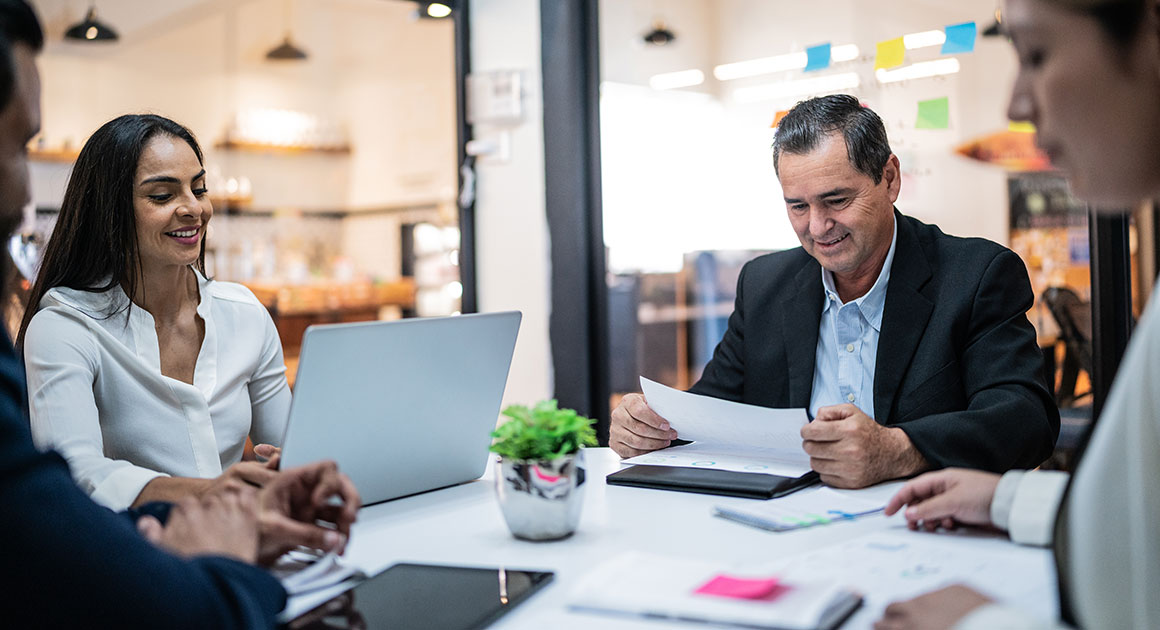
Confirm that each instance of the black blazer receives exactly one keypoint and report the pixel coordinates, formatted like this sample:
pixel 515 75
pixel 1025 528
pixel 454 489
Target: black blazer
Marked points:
pixel 958 367
pixel 69 563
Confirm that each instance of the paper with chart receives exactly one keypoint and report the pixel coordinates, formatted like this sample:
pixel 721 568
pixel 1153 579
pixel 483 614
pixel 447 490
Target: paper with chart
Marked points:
pixel 727 435
pixel 898 564
pixel 819 506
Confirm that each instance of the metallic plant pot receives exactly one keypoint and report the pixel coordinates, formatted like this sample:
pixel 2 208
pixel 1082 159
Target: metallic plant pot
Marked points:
pixel 541 499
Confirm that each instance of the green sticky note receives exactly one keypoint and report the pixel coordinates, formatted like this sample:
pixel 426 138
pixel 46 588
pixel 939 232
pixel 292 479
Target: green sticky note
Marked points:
pixel 934 114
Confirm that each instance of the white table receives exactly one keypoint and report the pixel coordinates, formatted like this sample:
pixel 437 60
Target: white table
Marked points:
pixel 463 525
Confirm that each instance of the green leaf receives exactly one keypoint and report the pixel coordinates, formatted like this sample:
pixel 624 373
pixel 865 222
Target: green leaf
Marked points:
pixel 542 432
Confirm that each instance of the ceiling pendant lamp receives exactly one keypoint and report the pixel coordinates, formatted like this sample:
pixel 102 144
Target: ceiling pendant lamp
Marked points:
pixel 91 29
pixel 286 51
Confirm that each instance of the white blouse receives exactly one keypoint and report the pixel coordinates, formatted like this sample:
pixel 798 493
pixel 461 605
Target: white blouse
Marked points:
pixel 1114 504
pixel 97 395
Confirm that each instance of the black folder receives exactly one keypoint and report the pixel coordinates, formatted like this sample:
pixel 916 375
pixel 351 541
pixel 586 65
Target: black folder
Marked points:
pixel 710 481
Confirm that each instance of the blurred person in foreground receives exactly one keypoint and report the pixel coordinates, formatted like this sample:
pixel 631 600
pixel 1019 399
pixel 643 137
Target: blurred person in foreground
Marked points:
pixel 70 563
pixel 1089 79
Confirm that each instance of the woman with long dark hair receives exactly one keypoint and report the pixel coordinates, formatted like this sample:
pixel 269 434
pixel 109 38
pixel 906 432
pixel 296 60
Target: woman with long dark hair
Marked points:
pixel 1089 79
pixel 146 375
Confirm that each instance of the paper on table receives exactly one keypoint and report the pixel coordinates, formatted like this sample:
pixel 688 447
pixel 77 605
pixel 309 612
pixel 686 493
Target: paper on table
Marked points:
pixel 727 435
pixel 802 509
pixel 897 564
pixel 663 587
pixel 300 575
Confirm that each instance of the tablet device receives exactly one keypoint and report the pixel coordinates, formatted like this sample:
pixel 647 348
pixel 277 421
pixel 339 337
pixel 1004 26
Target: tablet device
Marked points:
pixel 711 481
pixel 424 596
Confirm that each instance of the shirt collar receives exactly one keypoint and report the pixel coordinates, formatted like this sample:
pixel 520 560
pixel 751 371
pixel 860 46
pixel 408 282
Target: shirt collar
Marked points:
pixel 872 303
pixel 103 302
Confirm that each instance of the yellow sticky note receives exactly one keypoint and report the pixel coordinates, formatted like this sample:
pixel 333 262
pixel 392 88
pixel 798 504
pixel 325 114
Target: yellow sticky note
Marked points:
pixel 1020 126
pixel 890 53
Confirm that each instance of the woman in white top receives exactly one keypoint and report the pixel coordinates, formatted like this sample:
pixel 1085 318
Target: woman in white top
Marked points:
pixel 1089 79
pixel 144 374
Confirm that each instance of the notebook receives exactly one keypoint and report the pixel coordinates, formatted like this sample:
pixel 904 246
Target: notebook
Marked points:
pixel 665 588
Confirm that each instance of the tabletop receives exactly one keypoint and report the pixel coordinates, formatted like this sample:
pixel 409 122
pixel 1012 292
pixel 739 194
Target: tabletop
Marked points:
pixel 462 525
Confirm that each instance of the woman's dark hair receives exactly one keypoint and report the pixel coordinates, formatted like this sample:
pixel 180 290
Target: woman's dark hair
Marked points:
pixel 1120 19
pixel 94 244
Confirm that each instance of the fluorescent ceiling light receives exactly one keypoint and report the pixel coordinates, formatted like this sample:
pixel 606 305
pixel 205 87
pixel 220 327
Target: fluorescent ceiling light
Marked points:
pixel 674 80
pixel 845 52
pixel 800 87
pixel 924 39
pixel 920 70
pixel 779 63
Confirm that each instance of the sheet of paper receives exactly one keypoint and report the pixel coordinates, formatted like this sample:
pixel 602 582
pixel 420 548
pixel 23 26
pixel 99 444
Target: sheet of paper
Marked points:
pixel 803 509
pixel 304 573
pixel 817 57
pixel 960 38
pixel 897 564
pixel 724 422
pixel 934 114
pixel 727 435
pixel 771 461
pixel 889 54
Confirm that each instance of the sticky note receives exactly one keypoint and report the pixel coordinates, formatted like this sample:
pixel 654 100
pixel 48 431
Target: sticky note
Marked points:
pixel 778 116
pixel 742 588
pixel 934 114
pixel 817 57
pixel 1020 126
pixel 960 38
pixel 890 53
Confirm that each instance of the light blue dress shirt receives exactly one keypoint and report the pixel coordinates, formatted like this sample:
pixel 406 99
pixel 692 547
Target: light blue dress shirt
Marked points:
pixel 848 343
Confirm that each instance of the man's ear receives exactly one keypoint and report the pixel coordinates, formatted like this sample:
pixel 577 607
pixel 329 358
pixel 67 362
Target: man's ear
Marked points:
pixel 892 176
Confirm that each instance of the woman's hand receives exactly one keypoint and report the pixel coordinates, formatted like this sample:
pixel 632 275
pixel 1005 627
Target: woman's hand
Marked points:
pixel 945 497
pixel 933 611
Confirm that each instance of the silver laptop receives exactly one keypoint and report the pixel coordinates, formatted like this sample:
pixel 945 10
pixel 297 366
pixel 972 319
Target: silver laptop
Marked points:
pixel 404 406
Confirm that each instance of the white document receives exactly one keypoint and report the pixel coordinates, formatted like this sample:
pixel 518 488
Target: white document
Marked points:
pixel 898 564
pixel 803 509
pixel 663 587
pixel 727 435
pixel 302 573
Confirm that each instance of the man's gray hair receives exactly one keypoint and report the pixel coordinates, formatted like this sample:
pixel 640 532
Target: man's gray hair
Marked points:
pixel 800 131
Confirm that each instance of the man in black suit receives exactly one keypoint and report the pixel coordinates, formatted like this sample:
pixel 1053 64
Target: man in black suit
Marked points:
pixel 69 563
pixel 910 348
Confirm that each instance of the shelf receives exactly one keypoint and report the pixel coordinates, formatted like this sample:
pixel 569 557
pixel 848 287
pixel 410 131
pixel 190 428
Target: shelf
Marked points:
pixel 255 147
pixel 62 156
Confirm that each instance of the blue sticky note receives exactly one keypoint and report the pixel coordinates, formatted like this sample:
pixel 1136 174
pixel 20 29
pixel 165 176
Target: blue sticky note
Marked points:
pixel 960 38
pixel 817 57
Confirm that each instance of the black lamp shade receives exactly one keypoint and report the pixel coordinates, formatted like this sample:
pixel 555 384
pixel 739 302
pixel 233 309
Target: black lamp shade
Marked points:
pixel 91 30
pixel 286 51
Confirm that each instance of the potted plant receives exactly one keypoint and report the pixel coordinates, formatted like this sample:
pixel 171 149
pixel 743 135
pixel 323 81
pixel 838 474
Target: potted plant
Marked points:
pixel 540 469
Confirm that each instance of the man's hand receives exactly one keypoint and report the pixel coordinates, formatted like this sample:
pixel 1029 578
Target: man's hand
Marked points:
pixel 270 455
pixel 945 497
pixel 933 611
pixel 850 450
pixel 296 500
pixel 221 523
pixel 636 429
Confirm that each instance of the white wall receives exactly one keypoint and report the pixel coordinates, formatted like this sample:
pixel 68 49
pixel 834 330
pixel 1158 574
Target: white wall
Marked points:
pixel 511 240
pixel 387 77
pixel 682 173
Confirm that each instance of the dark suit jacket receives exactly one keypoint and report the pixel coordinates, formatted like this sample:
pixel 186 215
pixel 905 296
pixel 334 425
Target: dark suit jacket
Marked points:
pixel 958 368
pixel 69 563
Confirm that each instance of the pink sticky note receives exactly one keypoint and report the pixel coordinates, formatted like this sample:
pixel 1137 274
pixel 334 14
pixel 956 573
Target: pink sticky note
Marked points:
pixel 742 588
